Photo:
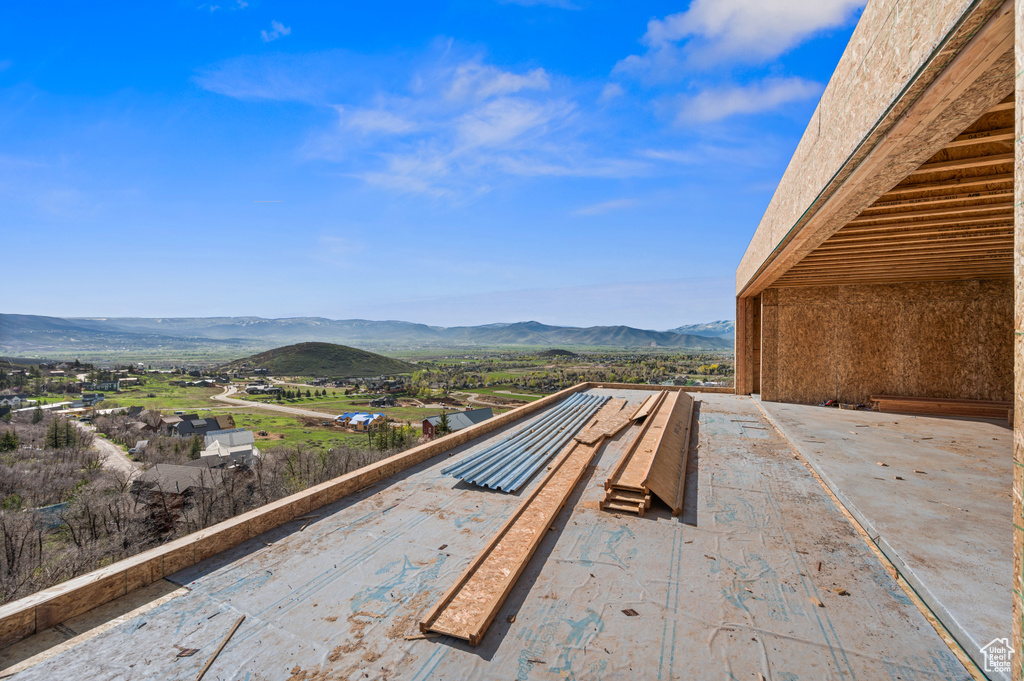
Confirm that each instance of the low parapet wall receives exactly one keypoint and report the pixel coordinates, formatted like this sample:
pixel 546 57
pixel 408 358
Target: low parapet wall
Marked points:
pixel 42 610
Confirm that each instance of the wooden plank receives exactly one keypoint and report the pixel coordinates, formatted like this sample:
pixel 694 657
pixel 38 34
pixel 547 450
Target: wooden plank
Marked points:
pixel 931 212
pixel 627 452
pixel 984 137
pixel 935 406
pixel 962 183
pixel 667 477
pixel 939 200
pixel 640 457
pixel 964 163
pixel 612 418
pixel 647 406
pixel 469 606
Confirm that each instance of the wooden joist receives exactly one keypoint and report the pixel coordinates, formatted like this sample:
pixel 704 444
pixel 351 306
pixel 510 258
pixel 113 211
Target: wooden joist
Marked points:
pixel 467 609
pixel 962 183
pixel 932 212
pixel 983 137
pixel 934 406
pixel 655 462
pixel 964 163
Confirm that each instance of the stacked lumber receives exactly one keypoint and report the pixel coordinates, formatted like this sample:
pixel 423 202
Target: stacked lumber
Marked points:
pixel 934 406
pixel 467 609
pixel 655 461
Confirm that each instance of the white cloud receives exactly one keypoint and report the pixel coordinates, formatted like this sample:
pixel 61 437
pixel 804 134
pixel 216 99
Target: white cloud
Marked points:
pixel 604 207
pixel 716 104
pixel 752 31
pixel 611 91
pixel 443 124
pixel 479 81
pixel 277 30
pixel 378 121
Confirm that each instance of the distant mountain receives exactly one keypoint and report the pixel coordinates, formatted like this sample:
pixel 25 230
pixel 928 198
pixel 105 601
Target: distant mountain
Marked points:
pixel 21 334
pixel 722 329
pixel 322 360
pixel 29 334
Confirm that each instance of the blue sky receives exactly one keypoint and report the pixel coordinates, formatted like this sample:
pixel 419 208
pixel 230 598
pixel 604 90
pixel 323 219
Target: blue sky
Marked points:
pixel 575 162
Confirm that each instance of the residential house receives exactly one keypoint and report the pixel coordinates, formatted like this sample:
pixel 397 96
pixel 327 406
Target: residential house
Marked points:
pixel 103 386
pixel 237 445
pixel 457 420
pixel 13 401
pixel 364 422
pixel 191 424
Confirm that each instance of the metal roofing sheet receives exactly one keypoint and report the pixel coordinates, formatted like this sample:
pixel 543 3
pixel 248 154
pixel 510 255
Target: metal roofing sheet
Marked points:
pixel 512 461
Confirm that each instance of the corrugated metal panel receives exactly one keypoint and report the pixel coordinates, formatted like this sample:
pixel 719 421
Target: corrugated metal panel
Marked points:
pixel 509 463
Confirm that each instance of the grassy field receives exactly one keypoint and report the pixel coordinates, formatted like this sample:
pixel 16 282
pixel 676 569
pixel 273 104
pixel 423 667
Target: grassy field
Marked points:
pixel 517 393
pixel 158 393
pixel 296 432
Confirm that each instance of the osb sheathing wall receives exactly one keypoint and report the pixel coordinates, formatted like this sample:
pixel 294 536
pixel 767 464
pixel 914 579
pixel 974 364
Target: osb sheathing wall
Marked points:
pixel 1018 351
pixel 898 51
pixel 936 339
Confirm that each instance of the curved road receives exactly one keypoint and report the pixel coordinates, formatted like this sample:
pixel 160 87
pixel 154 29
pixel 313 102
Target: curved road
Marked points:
pixel 112 456
pixel 294 411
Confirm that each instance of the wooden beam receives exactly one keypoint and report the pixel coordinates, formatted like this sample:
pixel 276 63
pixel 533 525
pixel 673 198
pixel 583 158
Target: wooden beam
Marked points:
pixel 914 234
pixel 907 256
pixel 905 260
pixel 894 271
pixel 936 244
pixel 667 476
pixel 863 229
pixel 964 164
pixel 1002 106
pixel 941 200
pixel 962 183
pixel 895 277
pixel 984 137
pixel 1005 206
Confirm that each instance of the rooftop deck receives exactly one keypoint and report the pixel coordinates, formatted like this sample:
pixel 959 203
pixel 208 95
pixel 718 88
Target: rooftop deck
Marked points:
pixel 727 590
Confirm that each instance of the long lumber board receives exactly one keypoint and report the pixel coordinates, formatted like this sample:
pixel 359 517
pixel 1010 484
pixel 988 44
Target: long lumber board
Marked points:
pixel 935 406
pixel 613 418
pixel 467 609
pixel 633 475
pixel 667 476
pixel 627 454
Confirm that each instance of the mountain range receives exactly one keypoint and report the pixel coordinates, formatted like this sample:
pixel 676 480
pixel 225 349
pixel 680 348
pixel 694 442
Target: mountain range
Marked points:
pixel 38 335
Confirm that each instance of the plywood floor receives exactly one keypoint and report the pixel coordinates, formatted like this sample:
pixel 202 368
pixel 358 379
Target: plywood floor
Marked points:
pixel 725 591
pixel 948 527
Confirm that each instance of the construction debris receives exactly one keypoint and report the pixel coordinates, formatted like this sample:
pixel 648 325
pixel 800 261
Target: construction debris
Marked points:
pixel 510 462
pixel 206 667
pixel 468 607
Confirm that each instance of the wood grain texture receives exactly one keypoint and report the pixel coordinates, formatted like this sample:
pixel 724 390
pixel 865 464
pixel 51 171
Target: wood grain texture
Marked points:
pixel 667 476
pixel 634 474
pixel 921 339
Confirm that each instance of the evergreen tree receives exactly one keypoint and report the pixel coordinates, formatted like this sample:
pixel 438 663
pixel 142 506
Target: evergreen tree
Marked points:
pixel 37 414
pixel 443 427
pixel 196 447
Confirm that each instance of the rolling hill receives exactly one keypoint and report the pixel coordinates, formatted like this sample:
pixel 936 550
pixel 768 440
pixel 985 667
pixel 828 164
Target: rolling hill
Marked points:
pixel 322 360
pixel 225 337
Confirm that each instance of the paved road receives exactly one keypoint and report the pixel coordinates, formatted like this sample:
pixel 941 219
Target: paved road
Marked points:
pixel 294 411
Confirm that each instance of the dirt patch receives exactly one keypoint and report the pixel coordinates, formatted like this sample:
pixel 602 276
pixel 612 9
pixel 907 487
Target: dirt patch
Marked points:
pixel 409 622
